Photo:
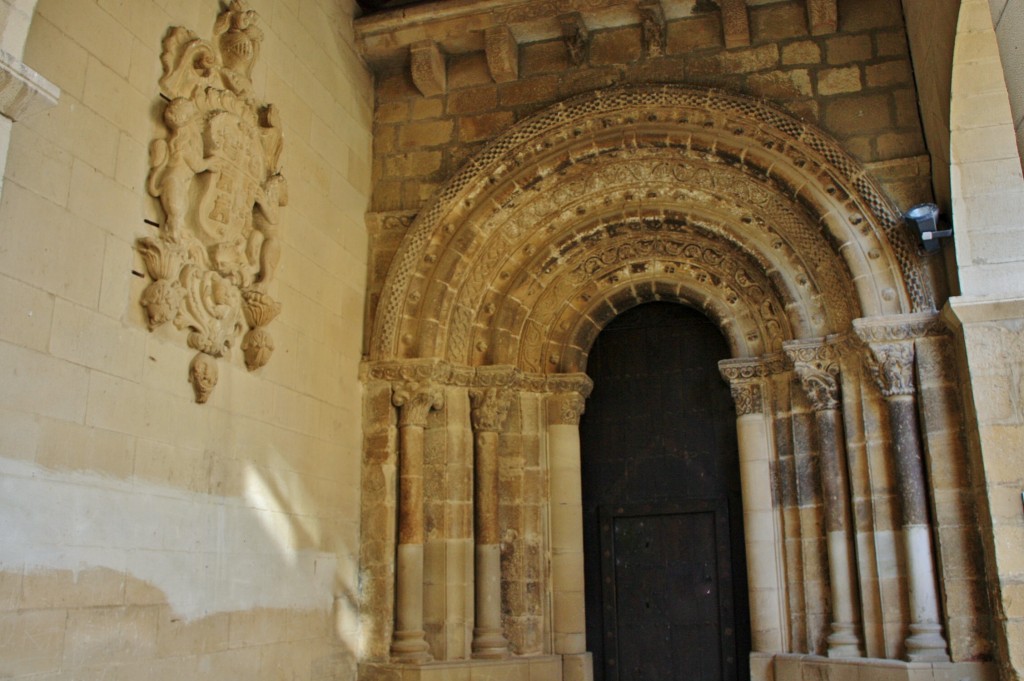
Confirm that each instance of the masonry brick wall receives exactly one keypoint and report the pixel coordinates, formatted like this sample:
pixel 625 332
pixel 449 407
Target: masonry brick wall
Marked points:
pixel 857 84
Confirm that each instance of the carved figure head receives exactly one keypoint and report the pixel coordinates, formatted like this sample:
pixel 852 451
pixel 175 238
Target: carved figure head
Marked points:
pixel 203 376
pixel 179 113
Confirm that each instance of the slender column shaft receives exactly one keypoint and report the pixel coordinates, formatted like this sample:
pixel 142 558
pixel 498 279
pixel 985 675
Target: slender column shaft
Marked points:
pixel 409 641
pixel 925 642
pixel 844 641
pixel 490 407
pixel 817 366
pixel 892 366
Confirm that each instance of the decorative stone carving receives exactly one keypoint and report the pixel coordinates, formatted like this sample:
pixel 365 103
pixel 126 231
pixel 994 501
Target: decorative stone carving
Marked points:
pixel 816 363
pixel 565 409
pixel 776 147
pixel 489 408
pixel 502 53
pixel 415 401
pixel 889 348
pixel 746 376
pixel 891 365
pixel 748 398
pixel 577 37
pixel 428 69
pixel 217 176
pixel 652 23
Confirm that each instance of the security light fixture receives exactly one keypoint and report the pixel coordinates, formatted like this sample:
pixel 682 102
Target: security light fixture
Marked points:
pixel 924 219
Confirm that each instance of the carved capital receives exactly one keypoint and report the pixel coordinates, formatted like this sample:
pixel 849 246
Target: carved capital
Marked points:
pixel 565 409
pixel 816 363
pixel 889 347
pixel 748 396
pixel 891 365
pixel 502 53
pixel 576 36
pixel 427 66
pixel 822 387
pixel 415 401
pixel 489 409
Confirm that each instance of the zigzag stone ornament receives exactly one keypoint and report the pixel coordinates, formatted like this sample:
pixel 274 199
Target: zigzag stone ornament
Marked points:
pixel 217 177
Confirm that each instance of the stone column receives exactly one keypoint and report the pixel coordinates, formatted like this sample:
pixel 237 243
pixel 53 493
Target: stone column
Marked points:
pixel 564 410
pixel 816 363
pixel 747 381
pixel 414 401
pixel 889 359
pixel 489 411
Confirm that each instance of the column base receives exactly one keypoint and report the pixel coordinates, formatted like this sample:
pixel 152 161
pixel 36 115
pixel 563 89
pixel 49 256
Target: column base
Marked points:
pixel 489 644
pixel 796 667
pixel 534 668
pixel 843 641
pixel 410 647
pixel 925 644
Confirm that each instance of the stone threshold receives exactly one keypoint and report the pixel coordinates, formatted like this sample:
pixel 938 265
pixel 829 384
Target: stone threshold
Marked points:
pixel 533 668
pixel 792 667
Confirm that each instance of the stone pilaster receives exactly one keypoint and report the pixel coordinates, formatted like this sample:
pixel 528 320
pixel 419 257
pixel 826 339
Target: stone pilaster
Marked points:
pixel 565 406
pixel 748 381
pixel 816 363
pixel 889 359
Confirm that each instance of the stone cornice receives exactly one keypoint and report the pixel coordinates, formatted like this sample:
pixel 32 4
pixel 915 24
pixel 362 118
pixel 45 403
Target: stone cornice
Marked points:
pixel 443 373
pixel 23 92
pixel 888 329
pixel 460 27
pixel 751 368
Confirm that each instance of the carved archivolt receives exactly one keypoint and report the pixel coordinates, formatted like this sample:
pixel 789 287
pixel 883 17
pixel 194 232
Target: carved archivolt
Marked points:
pixel 216 174
pixel 636 194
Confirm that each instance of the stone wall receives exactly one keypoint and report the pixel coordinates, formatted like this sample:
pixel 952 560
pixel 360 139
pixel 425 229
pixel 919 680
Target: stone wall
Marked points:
pixel 1008 17
pixel 144 534
pixel 857 84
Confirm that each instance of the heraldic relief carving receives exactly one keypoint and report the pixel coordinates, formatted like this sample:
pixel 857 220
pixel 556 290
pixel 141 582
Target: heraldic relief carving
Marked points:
pixel 217 177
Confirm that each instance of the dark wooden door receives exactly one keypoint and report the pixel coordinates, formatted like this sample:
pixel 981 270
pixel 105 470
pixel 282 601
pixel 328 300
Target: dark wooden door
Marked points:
pixel 666 591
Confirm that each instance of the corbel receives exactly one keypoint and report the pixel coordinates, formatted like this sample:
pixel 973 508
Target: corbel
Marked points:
pixel 502 54
pixel 427 66
pixel 576 35
pixel 652 22
pixel 822 16
pixel 735 23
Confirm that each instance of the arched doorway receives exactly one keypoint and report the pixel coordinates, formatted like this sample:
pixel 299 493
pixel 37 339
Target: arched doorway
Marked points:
pixel 662 523
pixel 492 304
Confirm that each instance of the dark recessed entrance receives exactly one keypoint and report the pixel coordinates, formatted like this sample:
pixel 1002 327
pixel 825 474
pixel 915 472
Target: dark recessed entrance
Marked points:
pixel 666 590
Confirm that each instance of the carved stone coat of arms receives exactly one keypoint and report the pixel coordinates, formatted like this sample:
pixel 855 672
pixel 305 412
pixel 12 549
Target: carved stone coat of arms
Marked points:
pixel 217 177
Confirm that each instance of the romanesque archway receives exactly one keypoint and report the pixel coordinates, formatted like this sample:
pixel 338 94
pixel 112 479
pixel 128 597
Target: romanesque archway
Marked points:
pixel 501 285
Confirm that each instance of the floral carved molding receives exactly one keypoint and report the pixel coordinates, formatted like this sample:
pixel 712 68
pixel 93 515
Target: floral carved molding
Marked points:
pixel 216 174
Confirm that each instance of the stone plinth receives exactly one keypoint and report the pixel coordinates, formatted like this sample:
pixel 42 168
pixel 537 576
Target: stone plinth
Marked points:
pixel 538 668
pixel 787 667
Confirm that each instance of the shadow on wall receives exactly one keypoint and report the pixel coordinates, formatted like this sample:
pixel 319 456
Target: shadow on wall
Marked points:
pixel 117 573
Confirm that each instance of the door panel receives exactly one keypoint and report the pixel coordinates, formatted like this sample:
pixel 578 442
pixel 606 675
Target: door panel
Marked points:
pixel 668 605
pixel 665 573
